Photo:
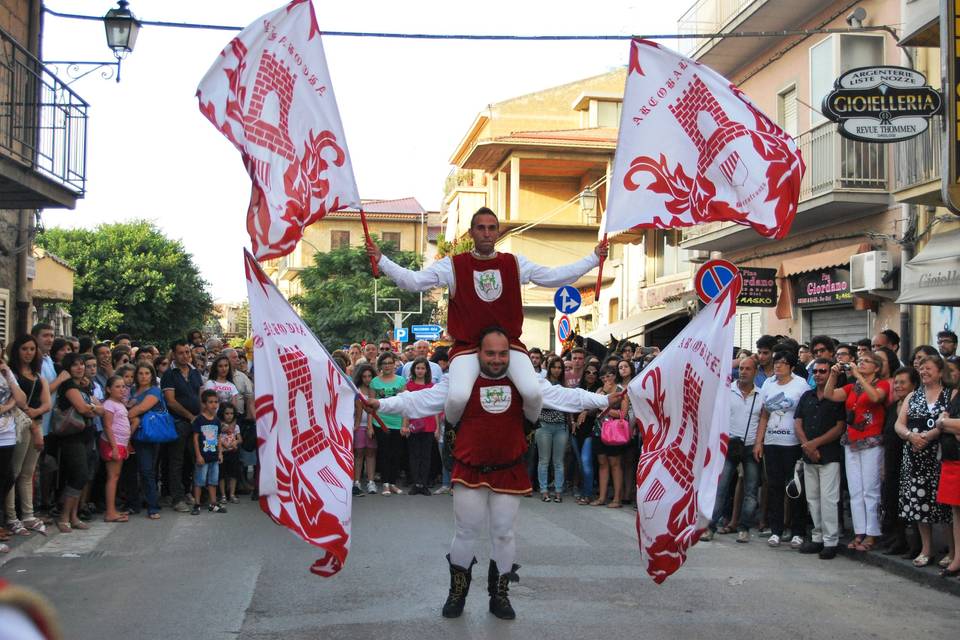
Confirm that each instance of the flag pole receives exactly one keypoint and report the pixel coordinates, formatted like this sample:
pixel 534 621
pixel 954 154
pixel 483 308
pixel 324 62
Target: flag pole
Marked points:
pixel 596 291
pixel 366 234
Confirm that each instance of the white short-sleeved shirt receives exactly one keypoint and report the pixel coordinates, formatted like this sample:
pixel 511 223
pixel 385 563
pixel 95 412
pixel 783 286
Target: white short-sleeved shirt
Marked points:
pixel 780 401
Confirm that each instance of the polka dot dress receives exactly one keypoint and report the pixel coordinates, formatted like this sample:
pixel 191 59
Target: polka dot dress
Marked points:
pixel 920 473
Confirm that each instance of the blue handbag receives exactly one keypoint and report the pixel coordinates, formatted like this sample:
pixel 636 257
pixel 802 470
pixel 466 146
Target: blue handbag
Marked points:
pixel 156 426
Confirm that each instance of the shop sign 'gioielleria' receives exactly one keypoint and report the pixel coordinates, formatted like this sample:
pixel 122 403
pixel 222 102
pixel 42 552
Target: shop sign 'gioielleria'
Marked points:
pixel 882 104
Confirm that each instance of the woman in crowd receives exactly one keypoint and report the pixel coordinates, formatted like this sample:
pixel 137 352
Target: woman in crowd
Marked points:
pixel 951 372
pixel 583 435
pixel 921 352
pixel 421 433
pixel 609 456
pixel 60 348
pixel 160 364
pixel 632 451
pixel 119 357
pixel 905 381
pixel 889 362
pixel 364 441
pixel 387 385
pixel 25 363
pixel 147 397
pixel 113 443
pixel 551 438
pixel 74 462
pixel 221 381
pixel 865 400
pixel 11 397
pixel 948 493
pixel 920 472
pixel 777 445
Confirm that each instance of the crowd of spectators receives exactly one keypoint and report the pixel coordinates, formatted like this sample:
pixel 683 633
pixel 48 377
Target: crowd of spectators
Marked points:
pixel 78 430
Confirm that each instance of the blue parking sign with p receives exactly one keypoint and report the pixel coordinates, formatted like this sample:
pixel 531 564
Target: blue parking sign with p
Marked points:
pixel 401 334
pixel 567 299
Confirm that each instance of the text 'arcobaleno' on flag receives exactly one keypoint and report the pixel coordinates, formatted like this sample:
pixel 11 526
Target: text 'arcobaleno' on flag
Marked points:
pixel 692 148
pixel 270 94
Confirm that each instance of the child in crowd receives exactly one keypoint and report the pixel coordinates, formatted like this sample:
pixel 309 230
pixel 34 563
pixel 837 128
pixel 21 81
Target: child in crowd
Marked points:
pixel 364 440
pixel 230 441
pixel 206 448
pixel 113 443
pixel 421 432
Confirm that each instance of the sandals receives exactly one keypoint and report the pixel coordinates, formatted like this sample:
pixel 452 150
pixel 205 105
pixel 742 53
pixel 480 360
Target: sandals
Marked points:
pixel 866 545
pixel 544 497
pixel 153 516
pixel 597 503
pixel 36 524
pixel 82 526
pixel 945 561
pixel 726 529
pixel 614 505
pixel 4 548
pixel 583 501
pixel 65 527
pixel 557 497
pixel 921 560
pixel 949 573
pixel 855 543
pixel 119 518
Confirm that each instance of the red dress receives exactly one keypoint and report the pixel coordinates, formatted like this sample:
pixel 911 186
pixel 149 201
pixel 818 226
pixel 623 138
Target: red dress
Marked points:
pixel 491 434
pixel 486 293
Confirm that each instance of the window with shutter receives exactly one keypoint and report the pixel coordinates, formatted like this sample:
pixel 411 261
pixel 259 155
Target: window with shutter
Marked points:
pixel 5 318
pixel 787 111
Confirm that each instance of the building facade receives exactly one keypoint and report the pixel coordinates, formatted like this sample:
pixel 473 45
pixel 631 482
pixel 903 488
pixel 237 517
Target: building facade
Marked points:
pixel 42 155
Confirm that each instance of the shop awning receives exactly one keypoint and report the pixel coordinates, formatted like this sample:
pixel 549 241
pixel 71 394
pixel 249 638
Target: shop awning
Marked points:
pixel 635 324
pixel 821 260
pixel 933 275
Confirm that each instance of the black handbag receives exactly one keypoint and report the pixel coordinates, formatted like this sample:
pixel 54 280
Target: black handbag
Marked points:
pixel 949 443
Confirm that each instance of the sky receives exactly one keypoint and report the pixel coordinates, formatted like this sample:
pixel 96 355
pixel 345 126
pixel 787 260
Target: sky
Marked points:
pixel 405 104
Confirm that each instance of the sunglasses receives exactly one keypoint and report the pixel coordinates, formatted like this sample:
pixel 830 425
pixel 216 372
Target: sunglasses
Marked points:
pixel 822 372
pixel 819 350
pixel 591 373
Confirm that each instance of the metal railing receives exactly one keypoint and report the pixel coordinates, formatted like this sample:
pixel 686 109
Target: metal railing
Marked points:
pixel 917 160
pixel 43 123
pixel 836 163
pixel 708 16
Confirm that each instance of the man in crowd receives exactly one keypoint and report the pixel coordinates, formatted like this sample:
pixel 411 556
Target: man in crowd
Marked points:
pixel 485 289
pixel 104 356
pixel 744 419
pixel 122 340
pixel 819 423
pixel 947 343
pixel 765 345
pixel 536 359
pixel 243 384
pixel 370 353
pixel 864 347
pixel 199 359
pixel 385 346
pixel 488 464
pixel 421 349
pixel 887 338
pixel 578 359
pixel 43 333
pixel 806 356
pixel 844 354
pixel 181 386
pixel 820 347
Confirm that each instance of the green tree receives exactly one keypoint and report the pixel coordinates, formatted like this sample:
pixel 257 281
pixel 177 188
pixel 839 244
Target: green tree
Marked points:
pixel 338 291
pixel 446 248
pixel 131 278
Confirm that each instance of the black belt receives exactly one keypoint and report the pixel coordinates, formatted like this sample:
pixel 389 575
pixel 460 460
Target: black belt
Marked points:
pixel 490 468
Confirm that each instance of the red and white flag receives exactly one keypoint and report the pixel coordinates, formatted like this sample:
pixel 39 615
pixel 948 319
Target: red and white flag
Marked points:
pixel 693 148
pixel 681 402
pixel 270 94
pixel 304 411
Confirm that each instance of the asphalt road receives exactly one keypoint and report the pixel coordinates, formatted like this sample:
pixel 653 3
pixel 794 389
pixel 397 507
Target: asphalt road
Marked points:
pixel 238 575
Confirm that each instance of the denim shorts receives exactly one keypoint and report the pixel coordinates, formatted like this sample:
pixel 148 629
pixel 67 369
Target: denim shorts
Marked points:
pixel 206 475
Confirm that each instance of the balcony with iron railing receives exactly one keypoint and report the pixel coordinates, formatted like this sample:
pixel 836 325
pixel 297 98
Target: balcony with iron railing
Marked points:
pixel 724 16
pixel 43 134
pixel 844 179
pixel 916 166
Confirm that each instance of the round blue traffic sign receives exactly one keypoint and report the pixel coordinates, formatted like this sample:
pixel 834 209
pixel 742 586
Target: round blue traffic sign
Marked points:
pixel 567 299
pixel 563 328
pixel 712 277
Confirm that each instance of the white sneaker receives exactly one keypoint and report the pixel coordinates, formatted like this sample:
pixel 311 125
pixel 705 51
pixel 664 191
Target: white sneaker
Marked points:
pixel 441 490
pixel 386 489
pixel 743 536
pixel 395 489
pixel 796 542
pixel 371 487
pixel 773 540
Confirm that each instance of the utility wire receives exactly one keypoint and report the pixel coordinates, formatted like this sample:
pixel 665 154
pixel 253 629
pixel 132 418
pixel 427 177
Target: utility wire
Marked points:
pixel 501 37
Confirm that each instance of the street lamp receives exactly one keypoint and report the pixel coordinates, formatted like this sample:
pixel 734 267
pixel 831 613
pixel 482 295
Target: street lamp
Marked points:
pixel 588 201
pixel 121 28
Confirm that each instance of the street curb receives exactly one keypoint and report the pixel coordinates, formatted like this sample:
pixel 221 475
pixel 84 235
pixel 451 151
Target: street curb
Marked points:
pixel 926 576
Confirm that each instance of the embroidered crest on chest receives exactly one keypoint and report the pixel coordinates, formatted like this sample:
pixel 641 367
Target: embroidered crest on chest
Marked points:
pixel 495 399
pixel 488 284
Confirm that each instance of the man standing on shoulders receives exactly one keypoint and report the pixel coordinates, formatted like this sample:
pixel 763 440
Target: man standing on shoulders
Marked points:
pixel 744 420
pixel 181 386
pixel 819 423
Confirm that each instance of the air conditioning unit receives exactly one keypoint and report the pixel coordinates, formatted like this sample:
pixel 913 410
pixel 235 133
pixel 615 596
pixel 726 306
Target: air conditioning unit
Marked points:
pixel 869 271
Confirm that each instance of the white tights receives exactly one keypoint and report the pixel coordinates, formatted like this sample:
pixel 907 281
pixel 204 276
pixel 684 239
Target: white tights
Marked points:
pixel 471 510
pixel 463 374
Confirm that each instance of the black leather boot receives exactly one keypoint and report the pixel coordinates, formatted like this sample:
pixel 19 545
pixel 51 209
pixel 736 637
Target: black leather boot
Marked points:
pixel 459 587
pixel 498 586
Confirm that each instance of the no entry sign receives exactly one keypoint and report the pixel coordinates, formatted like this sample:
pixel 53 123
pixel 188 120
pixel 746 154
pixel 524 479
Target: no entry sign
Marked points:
pixel 712 277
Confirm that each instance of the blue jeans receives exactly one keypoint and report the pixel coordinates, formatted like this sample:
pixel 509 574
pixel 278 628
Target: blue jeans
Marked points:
pixel 206 474
pixel 147 453
pixel 584 457
pixel 751 482
pixel 551 443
